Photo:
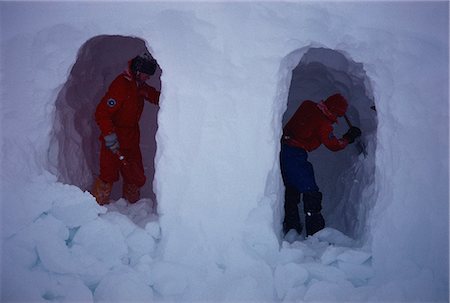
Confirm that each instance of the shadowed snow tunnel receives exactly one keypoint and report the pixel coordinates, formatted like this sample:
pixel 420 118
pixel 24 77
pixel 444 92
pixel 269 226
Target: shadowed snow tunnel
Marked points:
pixel 75 145
pixel 346 178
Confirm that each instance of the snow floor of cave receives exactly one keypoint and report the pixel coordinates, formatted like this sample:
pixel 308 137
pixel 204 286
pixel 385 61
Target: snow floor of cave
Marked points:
pixel 66 246
pixel 326 266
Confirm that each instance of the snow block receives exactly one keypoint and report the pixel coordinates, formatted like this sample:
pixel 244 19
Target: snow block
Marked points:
pixel 102 240
pixel 356 273
pixel 76 210
pixel 334 236
pixel 123 287
pixel 140 243
pixel 289 276
pixel 354 256
pixel 325 273
pixel 169 279
pixel 68 289
pixel 153 229
pixel 327 291
pixel 290 255
pixel 331 254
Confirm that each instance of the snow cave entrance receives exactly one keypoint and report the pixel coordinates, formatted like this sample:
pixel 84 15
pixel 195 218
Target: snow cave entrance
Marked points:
pixel 75 147
pixel 346 178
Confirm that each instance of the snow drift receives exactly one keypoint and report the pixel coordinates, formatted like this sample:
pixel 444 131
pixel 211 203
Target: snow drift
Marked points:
pixel 231 73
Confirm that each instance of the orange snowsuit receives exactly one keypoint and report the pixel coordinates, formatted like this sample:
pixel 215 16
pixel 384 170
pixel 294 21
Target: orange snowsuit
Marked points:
pixel 119 112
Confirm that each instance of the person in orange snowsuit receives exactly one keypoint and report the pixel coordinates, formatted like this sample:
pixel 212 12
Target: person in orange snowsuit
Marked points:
pixel 117 116
pixel 310 126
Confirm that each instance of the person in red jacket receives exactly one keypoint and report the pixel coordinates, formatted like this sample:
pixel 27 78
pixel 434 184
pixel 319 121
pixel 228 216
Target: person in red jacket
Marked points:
pixel 310 126
pixel 117 116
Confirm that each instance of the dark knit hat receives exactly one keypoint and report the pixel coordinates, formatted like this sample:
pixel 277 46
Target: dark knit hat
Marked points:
pixel 143 65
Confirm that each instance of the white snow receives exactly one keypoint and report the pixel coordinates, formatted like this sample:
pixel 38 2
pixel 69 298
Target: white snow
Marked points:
pixel 209 225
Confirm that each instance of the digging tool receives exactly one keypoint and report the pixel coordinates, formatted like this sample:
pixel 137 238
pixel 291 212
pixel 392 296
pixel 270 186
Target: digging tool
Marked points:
pixel 359 145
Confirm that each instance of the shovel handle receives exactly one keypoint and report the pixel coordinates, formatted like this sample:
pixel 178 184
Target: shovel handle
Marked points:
pixel 348 121
pixel 361 148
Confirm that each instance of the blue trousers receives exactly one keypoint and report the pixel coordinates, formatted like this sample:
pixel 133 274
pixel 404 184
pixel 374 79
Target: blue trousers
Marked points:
pixel 296 170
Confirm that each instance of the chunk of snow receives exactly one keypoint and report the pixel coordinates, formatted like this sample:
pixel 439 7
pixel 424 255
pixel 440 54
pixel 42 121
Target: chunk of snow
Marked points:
pixel 169 279
pixel 140 243
pixel 141 212
pixel 76 211
pixel 288 255
pixel 327 291
pixel 356 273
pixel 331 254
pixel 289 276
pixel 153 229
pixel 102 240
pixel 66 288
pixel 321 272
pixel 334 236
pixel 122 222
pixel 123 287
pixel 354 256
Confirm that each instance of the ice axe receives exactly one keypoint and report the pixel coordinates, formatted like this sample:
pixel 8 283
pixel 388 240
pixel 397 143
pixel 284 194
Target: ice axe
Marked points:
pixel 130 170
pixel 359 145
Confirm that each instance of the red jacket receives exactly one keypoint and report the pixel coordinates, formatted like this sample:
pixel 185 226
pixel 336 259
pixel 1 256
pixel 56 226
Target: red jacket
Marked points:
pixel 312 125
pixel 121 108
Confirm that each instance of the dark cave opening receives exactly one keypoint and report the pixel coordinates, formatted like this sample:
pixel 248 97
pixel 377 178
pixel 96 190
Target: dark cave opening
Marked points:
pixel 75 147
pixel 346 178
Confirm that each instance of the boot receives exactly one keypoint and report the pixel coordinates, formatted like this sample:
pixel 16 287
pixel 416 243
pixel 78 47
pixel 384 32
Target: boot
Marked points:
pixel 314 220
pixel 291 216
pixel 101 191
pixel 131 192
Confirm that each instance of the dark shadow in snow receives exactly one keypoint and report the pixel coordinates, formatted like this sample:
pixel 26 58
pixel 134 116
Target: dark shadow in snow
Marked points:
pixel 74 149
pixel 346 178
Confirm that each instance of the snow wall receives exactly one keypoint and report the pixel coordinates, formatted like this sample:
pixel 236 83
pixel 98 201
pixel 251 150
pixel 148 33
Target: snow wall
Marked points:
pixel 226 84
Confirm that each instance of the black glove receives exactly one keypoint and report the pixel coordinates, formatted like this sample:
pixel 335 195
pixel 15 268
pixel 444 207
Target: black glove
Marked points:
pixel 352 134
pixel 111 142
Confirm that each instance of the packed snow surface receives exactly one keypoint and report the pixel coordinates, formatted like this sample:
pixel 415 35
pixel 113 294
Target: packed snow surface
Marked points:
pixel 76 250
pixel 208 227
